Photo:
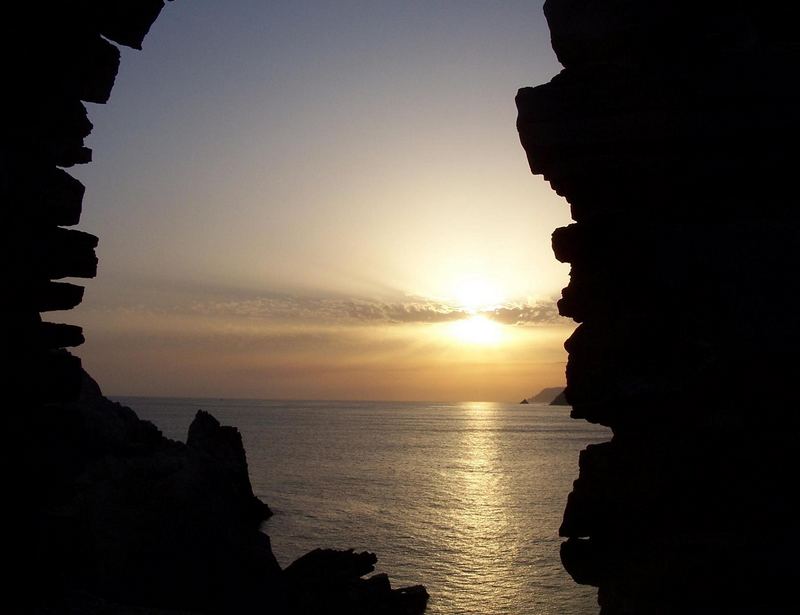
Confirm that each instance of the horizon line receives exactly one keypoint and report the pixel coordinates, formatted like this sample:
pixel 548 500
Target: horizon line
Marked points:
pixel 114 397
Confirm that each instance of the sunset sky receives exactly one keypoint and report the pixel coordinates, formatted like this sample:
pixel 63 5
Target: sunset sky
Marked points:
pixel 324 200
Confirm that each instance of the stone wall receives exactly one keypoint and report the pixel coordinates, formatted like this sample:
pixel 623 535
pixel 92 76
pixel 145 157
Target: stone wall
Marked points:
pixel 672 133
pixel 57 56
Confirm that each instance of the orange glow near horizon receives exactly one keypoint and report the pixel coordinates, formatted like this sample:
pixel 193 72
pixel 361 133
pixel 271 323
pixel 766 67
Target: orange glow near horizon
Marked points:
pixel 189 352
pixel 477 330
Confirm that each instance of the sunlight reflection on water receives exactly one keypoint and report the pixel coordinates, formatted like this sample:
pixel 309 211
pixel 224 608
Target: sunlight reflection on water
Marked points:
pixel 464 498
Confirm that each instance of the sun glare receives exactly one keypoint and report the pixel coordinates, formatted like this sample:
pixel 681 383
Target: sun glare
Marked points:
pixel 477 330
pixel 475 294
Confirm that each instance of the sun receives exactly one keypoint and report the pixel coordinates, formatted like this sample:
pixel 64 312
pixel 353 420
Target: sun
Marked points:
pixel 474 294
pixel 477 330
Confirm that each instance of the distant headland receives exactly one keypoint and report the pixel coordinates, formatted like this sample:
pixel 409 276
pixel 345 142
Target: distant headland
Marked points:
pixel 553 396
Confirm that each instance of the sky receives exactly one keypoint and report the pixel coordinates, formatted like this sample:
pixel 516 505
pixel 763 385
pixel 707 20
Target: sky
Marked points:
pixel 324 200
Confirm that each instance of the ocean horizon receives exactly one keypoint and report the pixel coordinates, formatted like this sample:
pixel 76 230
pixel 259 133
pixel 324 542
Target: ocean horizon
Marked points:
pixel 463 497
pixel 121 398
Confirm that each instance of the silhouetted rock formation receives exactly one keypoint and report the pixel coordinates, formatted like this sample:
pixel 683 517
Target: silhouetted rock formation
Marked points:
pixel 137 519
pixel 128 517
pixel 672 133
pixel 66 60
pixel 107 515
pixel 560 400
pixel 328 581
pixel 547 395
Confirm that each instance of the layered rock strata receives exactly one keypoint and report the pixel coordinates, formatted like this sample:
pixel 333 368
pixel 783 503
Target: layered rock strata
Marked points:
pixel 103 514
pixel 57 57
pixel 672 132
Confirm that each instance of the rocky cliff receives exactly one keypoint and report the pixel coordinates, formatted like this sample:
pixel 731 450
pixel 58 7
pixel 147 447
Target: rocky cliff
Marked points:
pixel 120 519
pixel 104 514
pixel 672 133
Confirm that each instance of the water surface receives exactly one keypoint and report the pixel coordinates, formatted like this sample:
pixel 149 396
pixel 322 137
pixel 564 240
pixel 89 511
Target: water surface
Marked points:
pixel 464 498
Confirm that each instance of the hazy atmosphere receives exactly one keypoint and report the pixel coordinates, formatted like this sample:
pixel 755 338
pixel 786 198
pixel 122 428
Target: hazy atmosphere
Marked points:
pixel 326 201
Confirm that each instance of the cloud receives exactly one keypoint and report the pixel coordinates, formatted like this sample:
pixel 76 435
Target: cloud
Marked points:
pixel 339 310
pixel 410 312
pixel 540 313
pixel 317 308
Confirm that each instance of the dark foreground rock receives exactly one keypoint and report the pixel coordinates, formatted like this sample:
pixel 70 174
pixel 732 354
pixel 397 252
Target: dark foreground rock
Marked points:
pixel 328 581
pixel 124 519
pixel 672 132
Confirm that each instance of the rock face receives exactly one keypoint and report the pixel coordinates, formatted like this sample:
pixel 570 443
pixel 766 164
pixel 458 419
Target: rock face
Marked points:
pixel 104 514
pixel 67 59
pixel 137 519
pixel 123 516
pixel 328 581
pixel 671 132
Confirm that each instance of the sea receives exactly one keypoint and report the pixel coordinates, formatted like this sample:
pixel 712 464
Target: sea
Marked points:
pixel 464 498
